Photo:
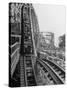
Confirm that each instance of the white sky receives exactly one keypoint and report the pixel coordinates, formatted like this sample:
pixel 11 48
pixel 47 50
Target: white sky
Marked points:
pixel 51 18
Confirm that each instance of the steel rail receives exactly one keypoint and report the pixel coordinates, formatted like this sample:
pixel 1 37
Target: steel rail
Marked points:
pixel 54 75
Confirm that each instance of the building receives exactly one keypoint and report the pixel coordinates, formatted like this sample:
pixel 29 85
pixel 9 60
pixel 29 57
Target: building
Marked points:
pixel 47 39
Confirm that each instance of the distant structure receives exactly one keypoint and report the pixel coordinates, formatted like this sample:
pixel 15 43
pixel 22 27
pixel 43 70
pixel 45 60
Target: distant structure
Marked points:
pixel 62 42
pixel 47 39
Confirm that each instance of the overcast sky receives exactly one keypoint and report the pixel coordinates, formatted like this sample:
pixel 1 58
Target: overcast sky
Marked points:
pixel 51 18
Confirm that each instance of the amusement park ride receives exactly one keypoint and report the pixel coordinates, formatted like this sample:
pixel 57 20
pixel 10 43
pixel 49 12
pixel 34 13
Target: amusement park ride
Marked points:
pixel 23 52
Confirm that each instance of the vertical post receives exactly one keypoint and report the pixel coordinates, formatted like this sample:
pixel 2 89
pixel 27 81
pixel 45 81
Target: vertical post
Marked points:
pixel 35 54
pixel 22 71
pixel 9 44
pixel 32 33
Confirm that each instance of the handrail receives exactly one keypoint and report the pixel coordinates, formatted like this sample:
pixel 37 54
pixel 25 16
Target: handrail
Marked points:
pixel 12 35
pixel 55 58
pixel 14 60
pixel 14 52
pixel 14 63
pixel 45 52
pixel 14 44
pixel 34 71
pixel 51 56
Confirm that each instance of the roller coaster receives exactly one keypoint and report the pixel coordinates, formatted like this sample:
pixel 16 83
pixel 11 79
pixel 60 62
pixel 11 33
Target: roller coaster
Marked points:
pixel 23 54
